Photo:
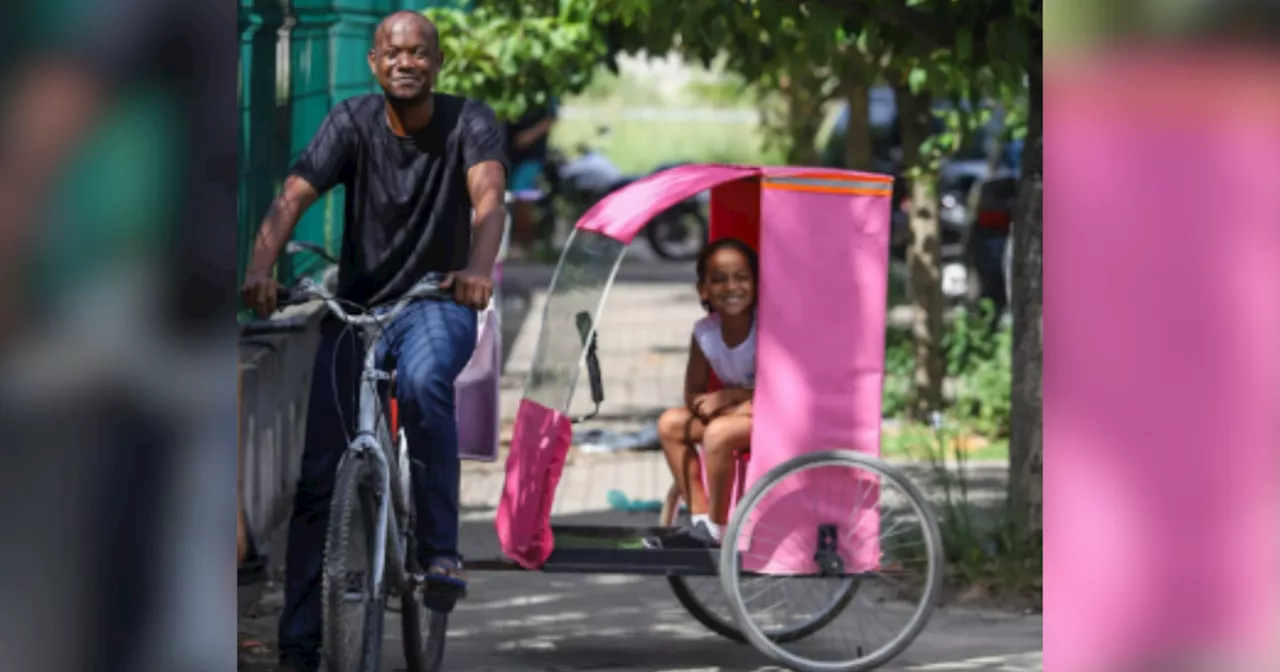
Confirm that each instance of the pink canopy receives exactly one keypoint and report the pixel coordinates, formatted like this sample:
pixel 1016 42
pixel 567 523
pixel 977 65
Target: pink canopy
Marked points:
pixel 622 214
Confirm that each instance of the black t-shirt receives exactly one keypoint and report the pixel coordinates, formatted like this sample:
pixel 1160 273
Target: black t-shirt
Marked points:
pixel 408 211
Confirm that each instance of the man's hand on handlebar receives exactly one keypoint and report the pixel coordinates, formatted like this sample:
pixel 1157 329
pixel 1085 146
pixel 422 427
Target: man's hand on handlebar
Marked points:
pixel 260 293
pixel 470 288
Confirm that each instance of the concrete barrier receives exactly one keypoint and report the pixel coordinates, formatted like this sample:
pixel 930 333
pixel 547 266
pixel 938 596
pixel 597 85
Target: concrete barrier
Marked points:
pixel 275 384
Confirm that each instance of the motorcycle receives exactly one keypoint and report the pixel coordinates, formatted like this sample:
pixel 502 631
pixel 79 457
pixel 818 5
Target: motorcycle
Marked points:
pixel 574 185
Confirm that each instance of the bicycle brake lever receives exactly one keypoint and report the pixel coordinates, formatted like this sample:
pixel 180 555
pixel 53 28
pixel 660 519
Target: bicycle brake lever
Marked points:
pixel 296 295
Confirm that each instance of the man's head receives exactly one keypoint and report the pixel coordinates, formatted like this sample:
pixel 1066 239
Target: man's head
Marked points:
pixel 406 56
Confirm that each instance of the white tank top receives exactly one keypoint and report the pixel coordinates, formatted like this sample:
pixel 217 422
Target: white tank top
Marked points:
pixel 735 367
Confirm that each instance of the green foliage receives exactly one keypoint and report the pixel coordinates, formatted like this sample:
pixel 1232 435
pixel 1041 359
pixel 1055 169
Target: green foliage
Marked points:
pixel 989 551
pixel 973 55
pixel 755 36
pixel 979 361
pixel 517 55
pixel 899 367
pixel 982 364
pixel 514 61
pixel 989 555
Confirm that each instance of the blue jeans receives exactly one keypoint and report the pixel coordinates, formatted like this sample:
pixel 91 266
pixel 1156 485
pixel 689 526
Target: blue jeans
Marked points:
pixel 429 343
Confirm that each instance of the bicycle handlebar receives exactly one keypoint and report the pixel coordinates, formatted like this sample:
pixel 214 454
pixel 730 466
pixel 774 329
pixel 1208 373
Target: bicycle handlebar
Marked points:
pixel 308 289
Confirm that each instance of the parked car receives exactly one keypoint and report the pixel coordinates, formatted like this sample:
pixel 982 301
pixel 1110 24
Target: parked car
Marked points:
pixel 987 248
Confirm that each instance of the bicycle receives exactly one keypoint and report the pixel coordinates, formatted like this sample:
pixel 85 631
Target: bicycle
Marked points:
pixel 372 508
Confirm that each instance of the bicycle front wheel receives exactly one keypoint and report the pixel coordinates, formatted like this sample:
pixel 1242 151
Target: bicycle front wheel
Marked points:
pixel 353 606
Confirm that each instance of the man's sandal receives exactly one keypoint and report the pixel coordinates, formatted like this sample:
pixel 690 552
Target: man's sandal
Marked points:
pixel 445 574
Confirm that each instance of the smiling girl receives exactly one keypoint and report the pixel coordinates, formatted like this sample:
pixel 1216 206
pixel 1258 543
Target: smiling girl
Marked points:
pixel 724 343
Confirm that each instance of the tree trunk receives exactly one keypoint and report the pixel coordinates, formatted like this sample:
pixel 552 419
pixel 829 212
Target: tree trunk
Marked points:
pixel 1026 445
pixel 857 137
pixel 804 107
pixel 924 257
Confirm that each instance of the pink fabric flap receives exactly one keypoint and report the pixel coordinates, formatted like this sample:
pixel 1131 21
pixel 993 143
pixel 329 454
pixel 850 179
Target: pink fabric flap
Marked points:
pixel 820 374
pixel 539 447
pixel 780 535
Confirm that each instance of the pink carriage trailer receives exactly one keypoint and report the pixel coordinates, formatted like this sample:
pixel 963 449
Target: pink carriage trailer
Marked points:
pixel 815 511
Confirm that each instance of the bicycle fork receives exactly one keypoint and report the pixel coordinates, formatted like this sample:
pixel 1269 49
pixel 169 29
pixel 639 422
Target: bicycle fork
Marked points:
pixel 390 499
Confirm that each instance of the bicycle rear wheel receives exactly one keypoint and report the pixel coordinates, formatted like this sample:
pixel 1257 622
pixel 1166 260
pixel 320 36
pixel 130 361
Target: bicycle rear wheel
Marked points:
pixel 424 629
pixel 873 526
pixel 353 606
pixel 704 598
pixel 423 646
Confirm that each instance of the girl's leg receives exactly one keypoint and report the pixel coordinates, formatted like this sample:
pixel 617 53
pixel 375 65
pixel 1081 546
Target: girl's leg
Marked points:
pixel 724 437
pixel 679 430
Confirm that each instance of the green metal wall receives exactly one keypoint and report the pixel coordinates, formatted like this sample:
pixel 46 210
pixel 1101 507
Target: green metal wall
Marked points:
pixel 297 59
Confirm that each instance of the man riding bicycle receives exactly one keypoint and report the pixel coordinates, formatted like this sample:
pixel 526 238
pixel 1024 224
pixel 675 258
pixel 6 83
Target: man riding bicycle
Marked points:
pixel 414 163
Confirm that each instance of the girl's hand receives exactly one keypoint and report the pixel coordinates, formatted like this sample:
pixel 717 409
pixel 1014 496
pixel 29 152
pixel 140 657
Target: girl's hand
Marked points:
pixel 708 406
pixel 698 406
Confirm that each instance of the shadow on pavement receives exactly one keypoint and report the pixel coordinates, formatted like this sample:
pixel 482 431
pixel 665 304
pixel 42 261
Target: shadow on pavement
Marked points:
pixel 526 621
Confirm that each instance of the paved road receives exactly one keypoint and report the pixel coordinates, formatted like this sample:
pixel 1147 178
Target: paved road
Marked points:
pixel 557 623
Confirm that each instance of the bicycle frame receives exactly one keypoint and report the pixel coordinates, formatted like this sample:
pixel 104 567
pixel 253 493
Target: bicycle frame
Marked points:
pixel 367 441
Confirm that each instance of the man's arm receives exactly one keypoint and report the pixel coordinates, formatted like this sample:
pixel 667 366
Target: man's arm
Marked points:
pixel 485 157
pixel 486 182
pixel 318 170
pixel 259 291
pixel 277 227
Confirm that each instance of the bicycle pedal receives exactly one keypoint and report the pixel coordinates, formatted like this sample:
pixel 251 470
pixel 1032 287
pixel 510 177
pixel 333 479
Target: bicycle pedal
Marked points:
pixel 441 604
pixel 444 590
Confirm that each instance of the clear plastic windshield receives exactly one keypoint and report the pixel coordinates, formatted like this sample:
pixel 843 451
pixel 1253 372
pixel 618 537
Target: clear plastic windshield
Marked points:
pixel 575 299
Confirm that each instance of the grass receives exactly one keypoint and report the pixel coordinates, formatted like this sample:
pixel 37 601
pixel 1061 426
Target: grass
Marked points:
pixel 637 146
pixel 991 555
pixel 916 442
